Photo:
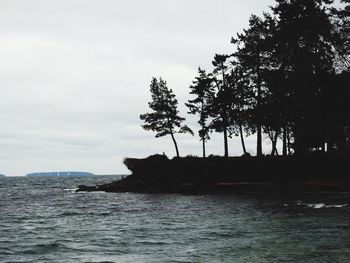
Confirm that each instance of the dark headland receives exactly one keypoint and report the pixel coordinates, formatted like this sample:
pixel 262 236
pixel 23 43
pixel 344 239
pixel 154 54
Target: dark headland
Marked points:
pixel 157 174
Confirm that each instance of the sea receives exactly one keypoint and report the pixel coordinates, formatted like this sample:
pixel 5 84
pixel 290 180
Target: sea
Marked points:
pixel 42 219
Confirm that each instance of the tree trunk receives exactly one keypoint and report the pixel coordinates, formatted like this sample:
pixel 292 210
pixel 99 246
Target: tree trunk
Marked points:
pixel 174 141
pixel 259 142
pixel 203 127
pixel 300 139
pixel 288 142
pixel 274 143
pixel 203 145
pixel 225 142
pixel 242 139
pixel 225 116
pixel 259 139
pixel 284 147
pixel 303 83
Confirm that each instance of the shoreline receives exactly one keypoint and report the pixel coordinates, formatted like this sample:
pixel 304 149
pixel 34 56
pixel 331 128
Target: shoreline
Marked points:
pixel 158 174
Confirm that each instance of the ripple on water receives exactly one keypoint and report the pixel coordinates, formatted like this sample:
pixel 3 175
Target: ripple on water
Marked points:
pixel 42 222
pixel 44 248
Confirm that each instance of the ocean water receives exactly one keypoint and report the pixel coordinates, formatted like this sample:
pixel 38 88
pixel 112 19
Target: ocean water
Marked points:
pixel 43 220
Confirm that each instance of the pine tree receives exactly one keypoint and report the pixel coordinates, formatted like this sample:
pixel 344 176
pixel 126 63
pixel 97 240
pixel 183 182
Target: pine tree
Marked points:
pixel 240 104
pixel 221 106
pixel 254 54
pixel 164 119
pixel 203 90
pixel 303 45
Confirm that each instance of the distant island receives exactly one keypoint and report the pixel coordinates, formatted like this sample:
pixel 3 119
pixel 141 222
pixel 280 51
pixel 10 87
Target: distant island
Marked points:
pixel 60 174
pixel 2 175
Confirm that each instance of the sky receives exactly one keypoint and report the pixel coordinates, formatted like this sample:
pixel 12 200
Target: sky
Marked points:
pixel 75 75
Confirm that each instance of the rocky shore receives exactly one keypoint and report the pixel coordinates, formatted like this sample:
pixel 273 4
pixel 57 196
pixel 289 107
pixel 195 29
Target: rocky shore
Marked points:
pixel 157 173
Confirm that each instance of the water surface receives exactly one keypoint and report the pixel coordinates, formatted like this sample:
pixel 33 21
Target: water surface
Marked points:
pixel 41 220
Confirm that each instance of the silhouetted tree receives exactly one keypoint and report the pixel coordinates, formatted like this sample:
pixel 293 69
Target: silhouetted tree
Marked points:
pixel 203 90
pixel 304 47
pixel 282 80
pixel 164 119
pixel 335 101
pixel 254 55
pixel 221 105
pixel 240 102
pixel 274 109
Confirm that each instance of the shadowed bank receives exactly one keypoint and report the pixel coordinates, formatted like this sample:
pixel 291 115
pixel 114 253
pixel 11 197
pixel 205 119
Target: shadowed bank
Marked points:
pixel 159 174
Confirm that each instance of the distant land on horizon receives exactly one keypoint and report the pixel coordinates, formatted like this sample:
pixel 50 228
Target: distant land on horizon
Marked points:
pixel 61 174
pixel 2 175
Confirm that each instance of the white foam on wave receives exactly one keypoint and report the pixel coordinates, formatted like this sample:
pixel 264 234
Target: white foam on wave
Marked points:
pixel 316 206
pixel 91 192
pixel 336 206
pixel 70 189
pixel 322 205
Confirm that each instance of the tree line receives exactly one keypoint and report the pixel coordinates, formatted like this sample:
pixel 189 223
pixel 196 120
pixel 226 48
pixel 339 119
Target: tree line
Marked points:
pixel 288 78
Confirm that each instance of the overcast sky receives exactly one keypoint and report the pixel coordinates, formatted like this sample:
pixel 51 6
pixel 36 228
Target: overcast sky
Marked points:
pixel 75 75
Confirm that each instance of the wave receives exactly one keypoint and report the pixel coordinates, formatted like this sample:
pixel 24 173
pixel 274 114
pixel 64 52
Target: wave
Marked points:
pixel 70 189
pixel 318 205
pixel 46 248
pixel 322 205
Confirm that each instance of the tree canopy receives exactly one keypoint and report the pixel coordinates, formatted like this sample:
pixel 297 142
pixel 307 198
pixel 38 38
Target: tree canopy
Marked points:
pixel 287 78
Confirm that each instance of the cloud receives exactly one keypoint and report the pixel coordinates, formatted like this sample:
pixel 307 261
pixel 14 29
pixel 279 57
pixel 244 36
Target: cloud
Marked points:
pixel 74 76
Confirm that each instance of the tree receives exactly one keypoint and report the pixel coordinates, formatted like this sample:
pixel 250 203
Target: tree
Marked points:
pixel 203 90
pixel 164 119
pixel 222 101
pixel 303 45
pixel 275 120
pixel 254 53
pixel 240 104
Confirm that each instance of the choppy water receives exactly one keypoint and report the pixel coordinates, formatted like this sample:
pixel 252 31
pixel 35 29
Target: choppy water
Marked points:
pixel 42 221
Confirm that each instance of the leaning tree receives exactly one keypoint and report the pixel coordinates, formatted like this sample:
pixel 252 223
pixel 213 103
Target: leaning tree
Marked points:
pixel 164 118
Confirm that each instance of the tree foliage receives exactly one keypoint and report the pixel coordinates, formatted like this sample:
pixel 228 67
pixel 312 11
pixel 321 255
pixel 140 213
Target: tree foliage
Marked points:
pixel 164 119
pixel 254 56
pixel 221 105
pixel 203 91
